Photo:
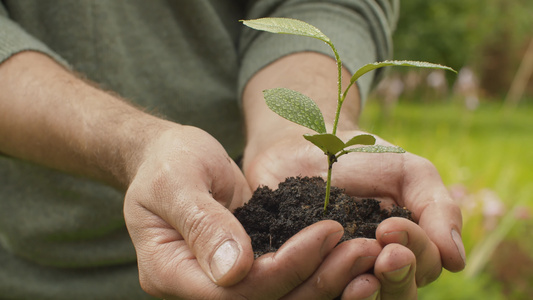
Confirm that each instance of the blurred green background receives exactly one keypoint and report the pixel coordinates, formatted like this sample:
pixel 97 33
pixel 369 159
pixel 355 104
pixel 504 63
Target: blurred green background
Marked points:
pixel 475 126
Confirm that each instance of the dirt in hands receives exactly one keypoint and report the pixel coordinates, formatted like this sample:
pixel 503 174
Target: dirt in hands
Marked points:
pixel 271 217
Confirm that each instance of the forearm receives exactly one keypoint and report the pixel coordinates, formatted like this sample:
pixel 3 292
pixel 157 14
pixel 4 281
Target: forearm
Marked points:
pixel 312 74
pixel 51 117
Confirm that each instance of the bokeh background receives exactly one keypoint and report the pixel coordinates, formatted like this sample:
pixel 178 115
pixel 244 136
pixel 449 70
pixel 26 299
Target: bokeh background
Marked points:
pixel 475 126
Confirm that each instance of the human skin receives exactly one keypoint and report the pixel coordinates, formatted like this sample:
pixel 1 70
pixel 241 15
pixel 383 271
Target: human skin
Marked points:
pixel 180 187
pixel 276 150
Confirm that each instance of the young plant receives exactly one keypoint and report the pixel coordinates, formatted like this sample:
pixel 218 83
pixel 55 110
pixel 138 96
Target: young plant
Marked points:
pixel 300 109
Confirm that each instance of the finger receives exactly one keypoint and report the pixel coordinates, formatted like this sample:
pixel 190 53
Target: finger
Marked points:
pixel 328 233
pixel 275 274
pixel 347 261
pixel 363 287
pixel 272 275
pixel 395 268
pixel 427 197
pixel 404 232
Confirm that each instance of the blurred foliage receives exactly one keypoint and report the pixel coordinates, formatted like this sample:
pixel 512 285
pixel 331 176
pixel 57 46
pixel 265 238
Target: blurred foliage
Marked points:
pixel 488 35
pixel 484 156
pixel 458 287
pixel 454 32
pixel 482 152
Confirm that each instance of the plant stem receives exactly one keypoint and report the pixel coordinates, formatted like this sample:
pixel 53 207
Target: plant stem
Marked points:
pixel 340 99
pixel 331 160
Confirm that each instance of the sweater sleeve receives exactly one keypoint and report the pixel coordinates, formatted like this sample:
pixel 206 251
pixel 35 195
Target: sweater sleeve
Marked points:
pixel 14 39
pixel 361 30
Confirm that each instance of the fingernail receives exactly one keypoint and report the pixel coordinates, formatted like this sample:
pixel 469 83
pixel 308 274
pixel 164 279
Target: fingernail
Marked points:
pixel 398 275
pixel 330 242
pixel 224 259
pixel 399 237
pixel 373 296
pixel 459 244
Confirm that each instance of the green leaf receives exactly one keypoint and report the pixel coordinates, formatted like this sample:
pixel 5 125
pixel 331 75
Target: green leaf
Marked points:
pixel 327 142
pixel 295 107
pixel 377 149
pixel 402 63
pixel 362 139
pixel 287 26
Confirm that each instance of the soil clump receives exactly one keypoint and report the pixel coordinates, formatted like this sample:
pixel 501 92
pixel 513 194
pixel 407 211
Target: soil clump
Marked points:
pixel 271 217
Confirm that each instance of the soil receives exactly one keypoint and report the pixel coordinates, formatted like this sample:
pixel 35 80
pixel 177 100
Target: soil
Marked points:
pixel 271 217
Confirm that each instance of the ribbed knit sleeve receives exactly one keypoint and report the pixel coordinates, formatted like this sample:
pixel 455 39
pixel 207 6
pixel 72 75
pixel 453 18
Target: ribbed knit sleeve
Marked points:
pixel 14 39
pixel 360 30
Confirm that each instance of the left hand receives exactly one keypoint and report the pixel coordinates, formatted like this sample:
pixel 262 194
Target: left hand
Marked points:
pixel 401 179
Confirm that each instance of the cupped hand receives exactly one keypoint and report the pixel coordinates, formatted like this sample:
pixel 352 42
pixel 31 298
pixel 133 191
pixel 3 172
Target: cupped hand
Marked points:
pixel 406 180
pixel 189 245
pixel 176 211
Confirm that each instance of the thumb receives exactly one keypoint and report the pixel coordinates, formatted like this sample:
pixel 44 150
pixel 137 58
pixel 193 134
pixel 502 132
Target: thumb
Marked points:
pixel 217 239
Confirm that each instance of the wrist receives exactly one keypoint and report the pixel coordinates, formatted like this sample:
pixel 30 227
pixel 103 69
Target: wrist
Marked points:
pixel 129 145
pixel 312 74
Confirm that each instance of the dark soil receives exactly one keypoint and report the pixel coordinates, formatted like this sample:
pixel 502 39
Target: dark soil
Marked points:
pixel 271 217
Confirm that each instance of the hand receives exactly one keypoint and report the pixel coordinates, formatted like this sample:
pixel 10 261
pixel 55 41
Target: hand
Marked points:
pixel 188 243
pixel 401 179
pixel 176 210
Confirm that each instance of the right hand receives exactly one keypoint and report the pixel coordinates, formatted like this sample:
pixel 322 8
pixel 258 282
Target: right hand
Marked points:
pixel 177 210
pixel 417 251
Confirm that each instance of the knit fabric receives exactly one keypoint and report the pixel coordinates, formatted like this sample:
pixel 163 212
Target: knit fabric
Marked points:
pixel 64 237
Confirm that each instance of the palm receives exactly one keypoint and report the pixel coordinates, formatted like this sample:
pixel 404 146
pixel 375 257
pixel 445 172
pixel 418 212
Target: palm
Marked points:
pixel 360 174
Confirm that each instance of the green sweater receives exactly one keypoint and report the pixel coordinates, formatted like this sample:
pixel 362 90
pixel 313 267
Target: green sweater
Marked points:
pixel 64 237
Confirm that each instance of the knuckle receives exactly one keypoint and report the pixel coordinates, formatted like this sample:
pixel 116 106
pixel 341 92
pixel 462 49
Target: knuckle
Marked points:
pixel 196 224
pixel 199 227
pixel 324 291
pixel 421 163
pixel 292 276
pixel 295 278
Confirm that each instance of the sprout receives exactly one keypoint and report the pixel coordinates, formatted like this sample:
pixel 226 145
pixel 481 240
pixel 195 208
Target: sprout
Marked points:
pixel 302 110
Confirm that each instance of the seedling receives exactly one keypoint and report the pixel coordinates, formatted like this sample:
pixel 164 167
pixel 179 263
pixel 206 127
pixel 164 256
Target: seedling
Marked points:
pixel 300 109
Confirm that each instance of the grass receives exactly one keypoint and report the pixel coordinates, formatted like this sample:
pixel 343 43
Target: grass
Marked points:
pixel 487 155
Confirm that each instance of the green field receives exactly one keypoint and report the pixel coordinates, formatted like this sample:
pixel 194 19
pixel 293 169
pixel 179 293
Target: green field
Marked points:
pixel 486 158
